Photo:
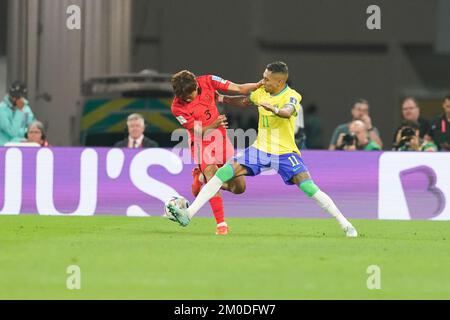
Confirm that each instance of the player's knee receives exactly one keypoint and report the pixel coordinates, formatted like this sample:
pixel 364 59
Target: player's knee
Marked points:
pixel 309 188
pixel 226 173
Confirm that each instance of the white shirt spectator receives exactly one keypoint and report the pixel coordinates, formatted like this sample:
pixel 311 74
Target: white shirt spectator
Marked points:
pixel 135 143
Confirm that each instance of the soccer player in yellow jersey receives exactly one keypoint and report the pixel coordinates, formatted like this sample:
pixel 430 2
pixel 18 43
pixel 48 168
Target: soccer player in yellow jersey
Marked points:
pixel 274 148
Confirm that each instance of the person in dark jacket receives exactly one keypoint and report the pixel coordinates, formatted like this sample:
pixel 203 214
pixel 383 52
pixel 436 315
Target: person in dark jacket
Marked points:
pixel 136 138
pixel 440 127
pixel 411 113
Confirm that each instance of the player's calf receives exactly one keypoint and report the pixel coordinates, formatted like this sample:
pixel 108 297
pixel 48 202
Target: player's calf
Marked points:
pixel 236 186
pixel 307 185
pixel 232 176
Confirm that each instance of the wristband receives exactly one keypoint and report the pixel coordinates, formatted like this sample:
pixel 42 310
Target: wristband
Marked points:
pixel 276 110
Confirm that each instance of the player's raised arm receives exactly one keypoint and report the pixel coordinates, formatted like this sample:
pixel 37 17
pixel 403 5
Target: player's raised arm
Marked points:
pixel 244 89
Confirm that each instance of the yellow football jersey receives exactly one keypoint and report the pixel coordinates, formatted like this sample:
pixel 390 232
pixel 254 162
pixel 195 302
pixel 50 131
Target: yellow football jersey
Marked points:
pixel 276 134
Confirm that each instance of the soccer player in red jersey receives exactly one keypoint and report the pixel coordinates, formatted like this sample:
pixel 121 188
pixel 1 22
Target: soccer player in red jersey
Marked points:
pixel 195 108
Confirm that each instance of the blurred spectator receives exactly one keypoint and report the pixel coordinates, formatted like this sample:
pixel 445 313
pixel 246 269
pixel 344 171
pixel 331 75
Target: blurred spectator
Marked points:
pixel 440 127
pixel 360 111
pixel 408 138
pixel 357 138
pixel 411 112
pixel 15 114
pixel 299 130
pixel 313 128
pixel 136 138
pixel 36 134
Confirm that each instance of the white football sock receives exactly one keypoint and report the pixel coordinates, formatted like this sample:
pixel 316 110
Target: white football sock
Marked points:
pixel 208 191
pixel 327 204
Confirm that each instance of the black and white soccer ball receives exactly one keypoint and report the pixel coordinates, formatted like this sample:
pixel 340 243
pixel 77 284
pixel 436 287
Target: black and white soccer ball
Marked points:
pixel 179 202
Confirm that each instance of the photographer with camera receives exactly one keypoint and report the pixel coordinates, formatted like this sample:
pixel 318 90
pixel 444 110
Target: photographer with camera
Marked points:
pixel 411 112
pixel 15 114
pixel 408 139
pixel 357 138
pixel 360 111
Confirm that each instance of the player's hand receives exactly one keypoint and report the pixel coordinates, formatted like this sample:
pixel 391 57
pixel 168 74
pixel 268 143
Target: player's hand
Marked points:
pixel 267 106
pixel 20 103
pixel 259 84
pixel 221 121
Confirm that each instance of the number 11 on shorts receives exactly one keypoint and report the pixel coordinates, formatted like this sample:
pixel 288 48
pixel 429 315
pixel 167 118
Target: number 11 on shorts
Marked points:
pixel 294 161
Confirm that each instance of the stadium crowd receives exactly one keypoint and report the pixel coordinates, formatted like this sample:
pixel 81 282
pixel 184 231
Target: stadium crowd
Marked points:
pixel 415 133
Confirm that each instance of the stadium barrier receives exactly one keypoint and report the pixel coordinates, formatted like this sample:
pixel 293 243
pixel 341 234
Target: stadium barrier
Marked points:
pixel 101 181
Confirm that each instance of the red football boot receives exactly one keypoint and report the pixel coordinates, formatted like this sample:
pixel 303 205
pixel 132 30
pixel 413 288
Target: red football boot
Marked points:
pixel 222 230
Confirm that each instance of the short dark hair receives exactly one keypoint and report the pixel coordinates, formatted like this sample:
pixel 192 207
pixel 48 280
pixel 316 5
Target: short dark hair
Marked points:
pixel 360 100
pixel 183 84
pixel 447 97
pixel 412 99
pixel 278 67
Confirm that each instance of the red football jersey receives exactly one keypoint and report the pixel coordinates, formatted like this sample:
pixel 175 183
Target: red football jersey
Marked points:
pixel 203 108
pixel 212 149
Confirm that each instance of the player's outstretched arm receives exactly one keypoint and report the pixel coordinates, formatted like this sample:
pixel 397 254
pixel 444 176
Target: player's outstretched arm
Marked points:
pixel 244 89
pixel 235 101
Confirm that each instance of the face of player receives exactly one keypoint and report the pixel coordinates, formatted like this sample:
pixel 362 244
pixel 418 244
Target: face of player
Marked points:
pixel 273 82
pixel 135 129
pixel 446 106
pixel 410 110
pixel 360 110
pixel 35 134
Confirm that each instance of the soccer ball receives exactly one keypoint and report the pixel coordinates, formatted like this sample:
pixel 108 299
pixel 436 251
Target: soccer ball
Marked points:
pixel 178 202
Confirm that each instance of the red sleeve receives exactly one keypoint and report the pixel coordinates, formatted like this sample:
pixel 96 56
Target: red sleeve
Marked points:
pixel 184 118
pixel 218 83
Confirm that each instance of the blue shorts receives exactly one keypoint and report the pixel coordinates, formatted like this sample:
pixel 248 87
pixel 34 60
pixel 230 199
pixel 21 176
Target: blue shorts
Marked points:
pixel 287 165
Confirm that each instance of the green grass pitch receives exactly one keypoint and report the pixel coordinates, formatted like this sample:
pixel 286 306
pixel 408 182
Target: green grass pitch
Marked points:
pixel 153 258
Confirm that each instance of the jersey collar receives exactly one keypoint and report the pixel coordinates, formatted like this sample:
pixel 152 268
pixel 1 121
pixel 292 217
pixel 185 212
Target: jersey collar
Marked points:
pixel 281 92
